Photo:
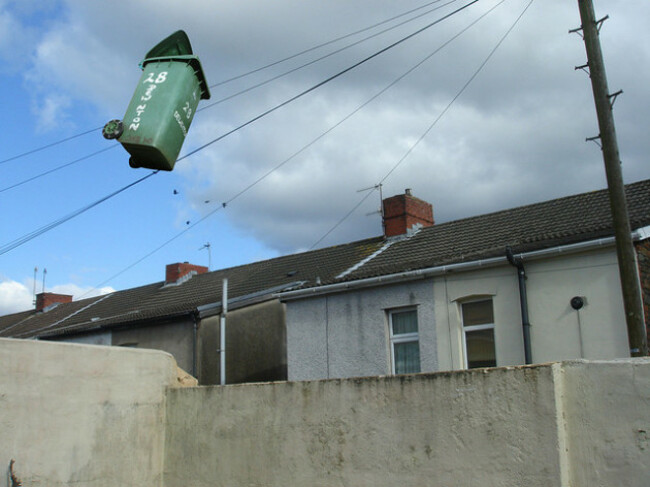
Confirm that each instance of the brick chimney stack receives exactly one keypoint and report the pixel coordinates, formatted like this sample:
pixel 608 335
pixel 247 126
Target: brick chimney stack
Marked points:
pixel 45 300
pixel 403 211
pixel 174 272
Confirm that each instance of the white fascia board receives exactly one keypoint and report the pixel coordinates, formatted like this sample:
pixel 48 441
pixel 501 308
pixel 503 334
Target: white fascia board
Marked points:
pixel 215 308
pixel 641 234
pixel 440 270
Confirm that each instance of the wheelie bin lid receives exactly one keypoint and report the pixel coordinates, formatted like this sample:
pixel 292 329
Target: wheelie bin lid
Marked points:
pixel 177 44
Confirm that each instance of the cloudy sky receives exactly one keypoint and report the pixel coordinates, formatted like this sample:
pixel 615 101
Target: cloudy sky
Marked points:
pixel 406 118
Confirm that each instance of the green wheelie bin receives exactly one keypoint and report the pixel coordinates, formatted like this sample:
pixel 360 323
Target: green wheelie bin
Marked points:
pixel 162 108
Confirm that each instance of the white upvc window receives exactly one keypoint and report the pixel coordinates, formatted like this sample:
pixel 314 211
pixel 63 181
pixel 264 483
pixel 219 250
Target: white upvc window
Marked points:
pixel 404 341
pixel 478 333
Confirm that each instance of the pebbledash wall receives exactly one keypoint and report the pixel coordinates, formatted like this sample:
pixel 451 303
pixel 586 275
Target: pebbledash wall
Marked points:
pixel 100 416
pixel 346 334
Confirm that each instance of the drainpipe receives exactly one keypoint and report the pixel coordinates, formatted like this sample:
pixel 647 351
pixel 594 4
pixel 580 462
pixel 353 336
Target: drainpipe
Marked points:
pixel 523 300
pixel 222 330
pixel 195 339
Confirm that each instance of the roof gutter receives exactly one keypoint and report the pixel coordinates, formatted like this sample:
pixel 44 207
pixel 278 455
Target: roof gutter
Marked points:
pixel 642 233
pixel 440 270
pixel 71 329
pixel 215 308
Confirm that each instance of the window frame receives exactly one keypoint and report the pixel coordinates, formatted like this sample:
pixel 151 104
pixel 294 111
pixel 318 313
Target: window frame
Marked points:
pixel 471 328
pixel 403 337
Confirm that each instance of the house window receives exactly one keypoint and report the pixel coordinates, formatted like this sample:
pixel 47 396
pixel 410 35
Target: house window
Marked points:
pixel 404 341
pixel 478 334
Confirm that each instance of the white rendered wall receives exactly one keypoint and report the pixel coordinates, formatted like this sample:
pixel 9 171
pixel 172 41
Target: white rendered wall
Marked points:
pixel 558 332
pixel 88 416
pixel 575 424
pixel 346 334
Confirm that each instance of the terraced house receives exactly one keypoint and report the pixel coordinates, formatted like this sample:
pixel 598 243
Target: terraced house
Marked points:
pixel 533 284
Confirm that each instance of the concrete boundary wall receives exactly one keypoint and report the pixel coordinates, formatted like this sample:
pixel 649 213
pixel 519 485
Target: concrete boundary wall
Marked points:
pixel 564 424
pixel 606 408
pixel 82 415
pixel 94 416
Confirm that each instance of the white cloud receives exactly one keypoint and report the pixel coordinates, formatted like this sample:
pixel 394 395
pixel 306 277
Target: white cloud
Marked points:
pixel 16 296
pixel 515 136
pixel 52 112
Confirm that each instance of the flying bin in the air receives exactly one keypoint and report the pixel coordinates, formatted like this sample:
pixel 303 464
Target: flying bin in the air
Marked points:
pixel 162 108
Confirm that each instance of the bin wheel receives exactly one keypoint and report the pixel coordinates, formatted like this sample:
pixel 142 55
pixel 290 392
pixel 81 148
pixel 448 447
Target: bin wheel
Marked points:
pixel 133 163
pixel 113 129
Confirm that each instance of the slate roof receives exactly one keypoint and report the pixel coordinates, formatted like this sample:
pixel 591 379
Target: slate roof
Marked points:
pixel 562 221
pixel 157 302
pixel 551 223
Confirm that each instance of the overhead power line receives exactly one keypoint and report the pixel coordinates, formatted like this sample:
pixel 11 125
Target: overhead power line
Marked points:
pixel 333 41
pixel 61 141
pixel 460 92
pixel 24 181
pixel 246 90
pixel 47 146
pixel 295 154
pixel 26 238
pixel 360 107
pixel 153 251
pixel 331 78
pixel 345 217
pixel 325 56
pixel 46 228
pixel 437 119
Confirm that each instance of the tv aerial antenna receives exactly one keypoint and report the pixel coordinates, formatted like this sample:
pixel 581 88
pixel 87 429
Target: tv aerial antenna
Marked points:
pixel 207 246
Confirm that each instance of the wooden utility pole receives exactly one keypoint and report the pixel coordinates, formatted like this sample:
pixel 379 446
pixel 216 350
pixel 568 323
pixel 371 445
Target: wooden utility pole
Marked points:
pixel 624 248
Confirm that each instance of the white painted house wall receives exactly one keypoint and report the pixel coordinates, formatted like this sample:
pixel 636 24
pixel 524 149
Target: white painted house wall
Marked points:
pixel 556 328
pixel 346 334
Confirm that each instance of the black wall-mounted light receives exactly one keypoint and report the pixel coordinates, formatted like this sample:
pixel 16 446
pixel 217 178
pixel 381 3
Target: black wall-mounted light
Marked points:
pixel 577 302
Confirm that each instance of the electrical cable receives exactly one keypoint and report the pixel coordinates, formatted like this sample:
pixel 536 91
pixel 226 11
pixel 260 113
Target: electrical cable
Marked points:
pixel 47 146
pixel 24 181
pixel 26 238
pixel 360 107
pixel 46 228
pixel 332 53
pixel 336 225
pixel 285 161
pixel 331 78
pixel 18 156
pixel 288 58
pixel 460 92
pixel 263 82
pixel 153 251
